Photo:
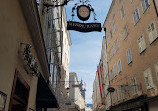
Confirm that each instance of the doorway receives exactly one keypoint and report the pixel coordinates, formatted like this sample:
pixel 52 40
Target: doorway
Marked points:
pixel 20 94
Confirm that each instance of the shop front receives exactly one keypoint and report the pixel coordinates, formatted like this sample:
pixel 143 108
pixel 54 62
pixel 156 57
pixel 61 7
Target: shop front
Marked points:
pixel 136 104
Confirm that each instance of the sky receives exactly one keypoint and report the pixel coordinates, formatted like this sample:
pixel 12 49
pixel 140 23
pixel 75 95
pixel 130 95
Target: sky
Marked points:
pixel 85 51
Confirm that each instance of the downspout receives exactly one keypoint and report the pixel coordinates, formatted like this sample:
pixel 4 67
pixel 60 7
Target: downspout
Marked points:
pixel 155 8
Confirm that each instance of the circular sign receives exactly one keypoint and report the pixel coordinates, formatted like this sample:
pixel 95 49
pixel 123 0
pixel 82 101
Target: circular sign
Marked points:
pixel 83 12
pixel 111 89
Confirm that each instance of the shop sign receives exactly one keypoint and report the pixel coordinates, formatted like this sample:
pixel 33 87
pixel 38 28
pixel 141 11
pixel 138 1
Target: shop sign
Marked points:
pixel 68 103
pixel 84 11
pixel 76 85
pixel 84 27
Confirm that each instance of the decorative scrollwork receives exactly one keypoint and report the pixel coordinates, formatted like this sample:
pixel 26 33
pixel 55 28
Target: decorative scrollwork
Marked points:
pixel 30 64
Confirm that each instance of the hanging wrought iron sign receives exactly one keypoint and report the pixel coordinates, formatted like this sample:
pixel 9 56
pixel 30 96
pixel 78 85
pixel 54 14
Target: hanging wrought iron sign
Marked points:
pixel 83 27
pixel 84 11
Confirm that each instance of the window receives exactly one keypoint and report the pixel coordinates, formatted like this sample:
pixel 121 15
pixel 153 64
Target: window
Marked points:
pixel 136 16
pixel 107 40
pixel 115 72
pixel 111 34
pixel 156 69
pixel 122 13
pixel 148 78
pixel 114 27
pixel 134 85
pixel 119 66
pixel 124 32
pixel 112 51
pixel 141 43
pixel 152 32
pixel 116 45
pixel 145 4
pixel 129 56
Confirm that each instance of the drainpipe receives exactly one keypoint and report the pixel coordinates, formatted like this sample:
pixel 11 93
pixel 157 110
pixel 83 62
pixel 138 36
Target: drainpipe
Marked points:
pixel 155 8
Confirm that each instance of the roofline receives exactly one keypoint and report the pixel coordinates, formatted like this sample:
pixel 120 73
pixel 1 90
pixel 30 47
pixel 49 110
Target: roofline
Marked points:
pixel 112 4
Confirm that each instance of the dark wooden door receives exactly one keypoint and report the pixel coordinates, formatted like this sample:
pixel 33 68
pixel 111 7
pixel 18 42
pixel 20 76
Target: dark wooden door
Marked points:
pixel 20 94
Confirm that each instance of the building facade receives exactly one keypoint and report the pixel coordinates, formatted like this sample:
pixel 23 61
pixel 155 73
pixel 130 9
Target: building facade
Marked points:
pixel 36 36
pixel 25 73
pixel 107 95
pixel 77 100
pixel 131 36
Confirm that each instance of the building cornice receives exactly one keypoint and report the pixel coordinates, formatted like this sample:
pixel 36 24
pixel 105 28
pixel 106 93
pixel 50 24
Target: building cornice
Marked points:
pixel 109 12
pixel 30 12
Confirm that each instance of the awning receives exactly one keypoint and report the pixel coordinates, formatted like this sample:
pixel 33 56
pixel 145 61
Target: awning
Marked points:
pixel 45 97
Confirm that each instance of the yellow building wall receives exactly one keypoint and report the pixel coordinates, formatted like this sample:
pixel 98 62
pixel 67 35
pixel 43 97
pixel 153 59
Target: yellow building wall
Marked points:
pixel 13 31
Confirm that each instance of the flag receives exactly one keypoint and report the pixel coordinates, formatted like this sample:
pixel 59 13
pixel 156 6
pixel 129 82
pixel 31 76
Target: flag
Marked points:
pixel 84 84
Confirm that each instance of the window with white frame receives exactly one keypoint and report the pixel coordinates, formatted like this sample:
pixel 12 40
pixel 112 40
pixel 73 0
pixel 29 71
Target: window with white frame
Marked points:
pixel 136 15
pixel 119 66
pixel 116 45
pixel 141 43
pixel 156 69
pixel 148 78
pixel 114 27
pixel 122 13
pixel 152 32
pixel 129 56
pixel 134 85
pixel 112 50
pixel 145 4
pixel 124 32
pixel 115 71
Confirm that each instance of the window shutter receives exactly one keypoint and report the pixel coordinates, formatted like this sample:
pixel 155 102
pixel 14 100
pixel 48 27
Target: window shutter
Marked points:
pixel 154 32
pixel 150 34
pixel 140 44
pixel 146 79
pixel 143 5
pixel 150 78
pixel 143 43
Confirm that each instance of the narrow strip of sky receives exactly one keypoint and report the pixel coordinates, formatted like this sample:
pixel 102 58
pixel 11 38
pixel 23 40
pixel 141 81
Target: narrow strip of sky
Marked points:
pixel 85 51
